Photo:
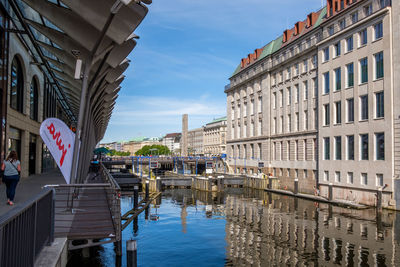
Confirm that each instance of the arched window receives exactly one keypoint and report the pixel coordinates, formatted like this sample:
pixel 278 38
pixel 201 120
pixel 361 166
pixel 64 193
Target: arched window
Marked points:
pixel 33 99
pixel 17 85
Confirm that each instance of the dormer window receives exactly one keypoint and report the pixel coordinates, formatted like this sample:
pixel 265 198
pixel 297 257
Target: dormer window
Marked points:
pixel 285 36
pixel 330 8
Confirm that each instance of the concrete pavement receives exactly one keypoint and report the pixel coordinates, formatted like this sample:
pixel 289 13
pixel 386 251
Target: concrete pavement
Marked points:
pixel 28 187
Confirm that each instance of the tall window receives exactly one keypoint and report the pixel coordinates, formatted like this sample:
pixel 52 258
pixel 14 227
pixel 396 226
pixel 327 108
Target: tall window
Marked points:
pixel 259 106
pixel 364 107
pixel 337 49
pixel 281 97
pixel 326 175
pixel 368 10
pixel 297 121
pixel 364 70
pixel 289 123
pixel 337 177
pixel 326 54
pixel 342 24
pixel 338 79
pixel 326 82
pixel 378 30
pixel 297 93
pixel 305 90
pixel 364 146
pixel 326 115
pixel 379 179
pixel 314 61
pixel 305 65
pixel 327 153
pixel 330 30
pixel 17 85
pixel 350 110
pixel 315 84
pixel 378 65
pixel 354 17
pixel 380 146
pixel 338 147
pixel 338 109
pixel 260 155
pixel 305 120
pixel 363 37
pixel 350 147
pixel 289 96
pixel 274 100
pixel 252 106
pixel 350 75
pixel 33 100
pixel 349 44
pixel 380 107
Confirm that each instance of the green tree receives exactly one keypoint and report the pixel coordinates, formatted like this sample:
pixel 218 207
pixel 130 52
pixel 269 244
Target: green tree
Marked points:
pixel 154 150
pixel 113 152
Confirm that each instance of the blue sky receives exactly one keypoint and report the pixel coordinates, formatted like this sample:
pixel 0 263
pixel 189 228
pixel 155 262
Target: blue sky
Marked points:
pixel 185 55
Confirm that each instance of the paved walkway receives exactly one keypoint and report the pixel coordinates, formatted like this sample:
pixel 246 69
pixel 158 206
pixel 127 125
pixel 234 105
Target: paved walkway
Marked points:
pixel 28 187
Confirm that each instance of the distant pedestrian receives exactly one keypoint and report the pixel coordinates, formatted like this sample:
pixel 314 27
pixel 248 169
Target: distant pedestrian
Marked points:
pixel 12 168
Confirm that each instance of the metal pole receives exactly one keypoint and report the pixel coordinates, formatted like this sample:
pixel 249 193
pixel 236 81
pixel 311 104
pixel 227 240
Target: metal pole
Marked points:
pixel 80 119
pixel 141 167
pixel 131 253
pixel 183 165
pixel 196 166
pixel 135 196
pixel 84 95
pixel 149 167
pixel 147 190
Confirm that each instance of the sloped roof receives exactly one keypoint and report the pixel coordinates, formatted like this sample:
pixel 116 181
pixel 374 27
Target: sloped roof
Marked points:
pixel 217 120
pixel 277 44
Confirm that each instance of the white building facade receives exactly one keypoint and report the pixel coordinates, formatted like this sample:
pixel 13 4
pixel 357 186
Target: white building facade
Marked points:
pixel 319 104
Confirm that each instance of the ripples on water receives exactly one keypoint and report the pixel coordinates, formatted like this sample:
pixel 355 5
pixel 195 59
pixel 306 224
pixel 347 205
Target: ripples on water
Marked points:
pixel 253 228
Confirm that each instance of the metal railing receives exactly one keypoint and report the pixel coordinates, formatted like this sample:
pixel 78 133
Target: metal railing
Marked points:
pixel 114 201
pixel 25 230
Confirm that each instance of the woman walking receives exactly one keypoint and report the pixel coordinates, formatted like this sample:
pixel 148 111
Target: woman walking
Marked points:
pixel 11 167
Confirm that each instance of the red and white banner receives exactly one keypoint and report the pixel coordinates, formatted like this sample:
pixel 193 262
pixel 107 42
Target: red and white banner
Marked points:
pixel 60 141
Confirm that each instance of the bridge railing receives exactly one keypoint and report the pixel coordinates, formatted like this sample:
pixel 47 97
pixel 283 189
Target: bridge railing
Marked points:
pixel 25 230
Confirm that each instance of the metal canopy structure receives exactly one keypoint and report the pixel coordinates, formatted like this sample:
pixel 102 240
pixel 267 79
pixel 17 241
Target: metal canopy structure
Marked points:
pixel 98 33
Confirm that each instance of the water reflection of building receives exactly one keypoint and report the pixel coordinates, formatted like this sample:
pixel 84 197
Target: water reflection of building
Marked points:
pixel 280 231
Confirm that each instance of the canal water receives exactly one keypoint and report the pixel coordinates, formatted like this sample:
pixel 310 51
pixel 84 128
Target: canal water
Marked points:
pixel 253 228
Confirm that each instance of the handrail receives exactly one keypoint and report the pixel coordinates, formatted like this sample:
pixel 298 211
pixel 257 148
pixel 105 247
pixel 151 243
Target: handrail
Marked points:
pixel 114 202
pixel 109 177
pixel 24 230
pixel 77 185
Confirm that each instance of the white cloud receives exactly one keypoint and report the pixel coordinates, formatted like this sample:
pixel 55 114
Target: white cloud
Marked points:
pixel 141 110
